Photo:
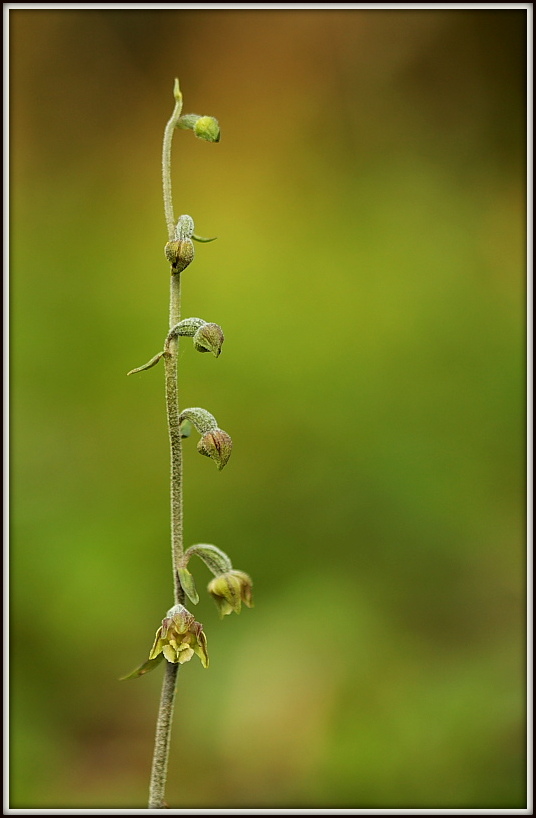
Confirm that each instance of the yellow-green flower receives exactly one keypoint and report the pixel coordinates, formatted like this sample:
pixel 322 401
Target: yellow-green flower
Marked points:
pixel 229 590
pixel 179 637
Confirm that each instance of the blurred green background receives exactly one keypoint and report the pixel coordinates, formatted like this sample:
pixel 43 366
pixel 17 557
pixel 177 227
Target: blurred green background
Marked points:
pixel 369 198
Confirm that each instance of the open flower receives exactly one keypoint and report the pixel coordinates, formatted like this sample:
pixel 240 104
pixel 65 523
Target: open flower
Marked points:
pixel 229 590
pixel 179 637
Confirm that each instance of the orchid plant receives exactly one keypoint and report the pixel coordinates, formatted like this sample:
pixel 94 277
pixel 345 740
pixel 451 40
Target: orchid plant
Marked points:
pixel 180 636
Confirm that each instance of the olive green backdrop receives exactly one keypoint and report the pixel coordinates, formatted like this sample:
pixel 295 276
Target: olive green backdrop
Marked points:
pixel 368 195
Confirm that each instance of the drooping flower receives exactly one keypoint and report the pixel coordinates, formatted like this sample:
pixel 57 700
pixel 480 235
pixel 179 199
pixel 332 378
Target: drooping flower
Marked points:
pixel 179 637
pixel 229 590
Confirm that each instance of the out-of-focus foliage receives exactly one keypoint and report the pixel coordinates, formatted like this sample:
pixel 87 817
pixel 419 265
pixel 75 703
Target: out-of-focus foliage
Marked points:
pixel 368 194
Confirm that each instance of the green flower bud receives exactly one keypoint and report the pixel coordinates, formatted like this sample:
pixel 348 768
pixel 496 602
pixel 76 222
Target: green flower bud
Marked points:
pixel 207 128
pixel 179 637
pixel 180 250
pixel 209 338
pixel 177 91
pixel 179 253
pixel 216 444
pixel 229 590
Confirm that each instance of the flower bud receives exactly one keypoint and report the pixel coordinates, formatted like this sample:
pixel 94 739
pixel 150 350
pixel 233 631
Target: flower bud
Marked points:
pixel 216 444
pixel 229 590
pixel 207 128
pixel 179 637
pixel 177 91
pixel 179 253
pixel 209 338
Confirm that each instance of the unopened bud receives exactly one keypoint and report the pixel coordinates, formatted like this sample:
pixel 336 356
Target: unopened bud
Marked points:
pixel 209 338
pixel 229 590
pixel 207 128
pixel 177 91
pixel 204 127
pixel 180 250
pixel 179 254
pixel 216 444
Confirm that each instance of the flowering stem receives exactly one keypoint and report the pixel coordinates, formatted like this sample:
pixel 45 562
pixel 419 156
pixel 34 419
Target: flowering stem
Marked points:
pixel 165 711
pixel 175 441
pixel 163 734
pixel 166 161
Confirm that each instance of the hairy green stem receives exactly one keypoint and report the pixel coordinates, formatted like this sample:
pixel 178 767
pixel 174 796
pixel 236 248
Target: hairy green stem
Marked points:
pixel 163 734
pixel 166 162
pixel 175 440
pixel 165 712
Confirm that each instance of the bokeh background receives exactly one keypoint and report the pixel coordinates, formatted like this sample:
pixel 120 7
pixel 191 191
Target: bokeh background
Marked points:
pixel 369 198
